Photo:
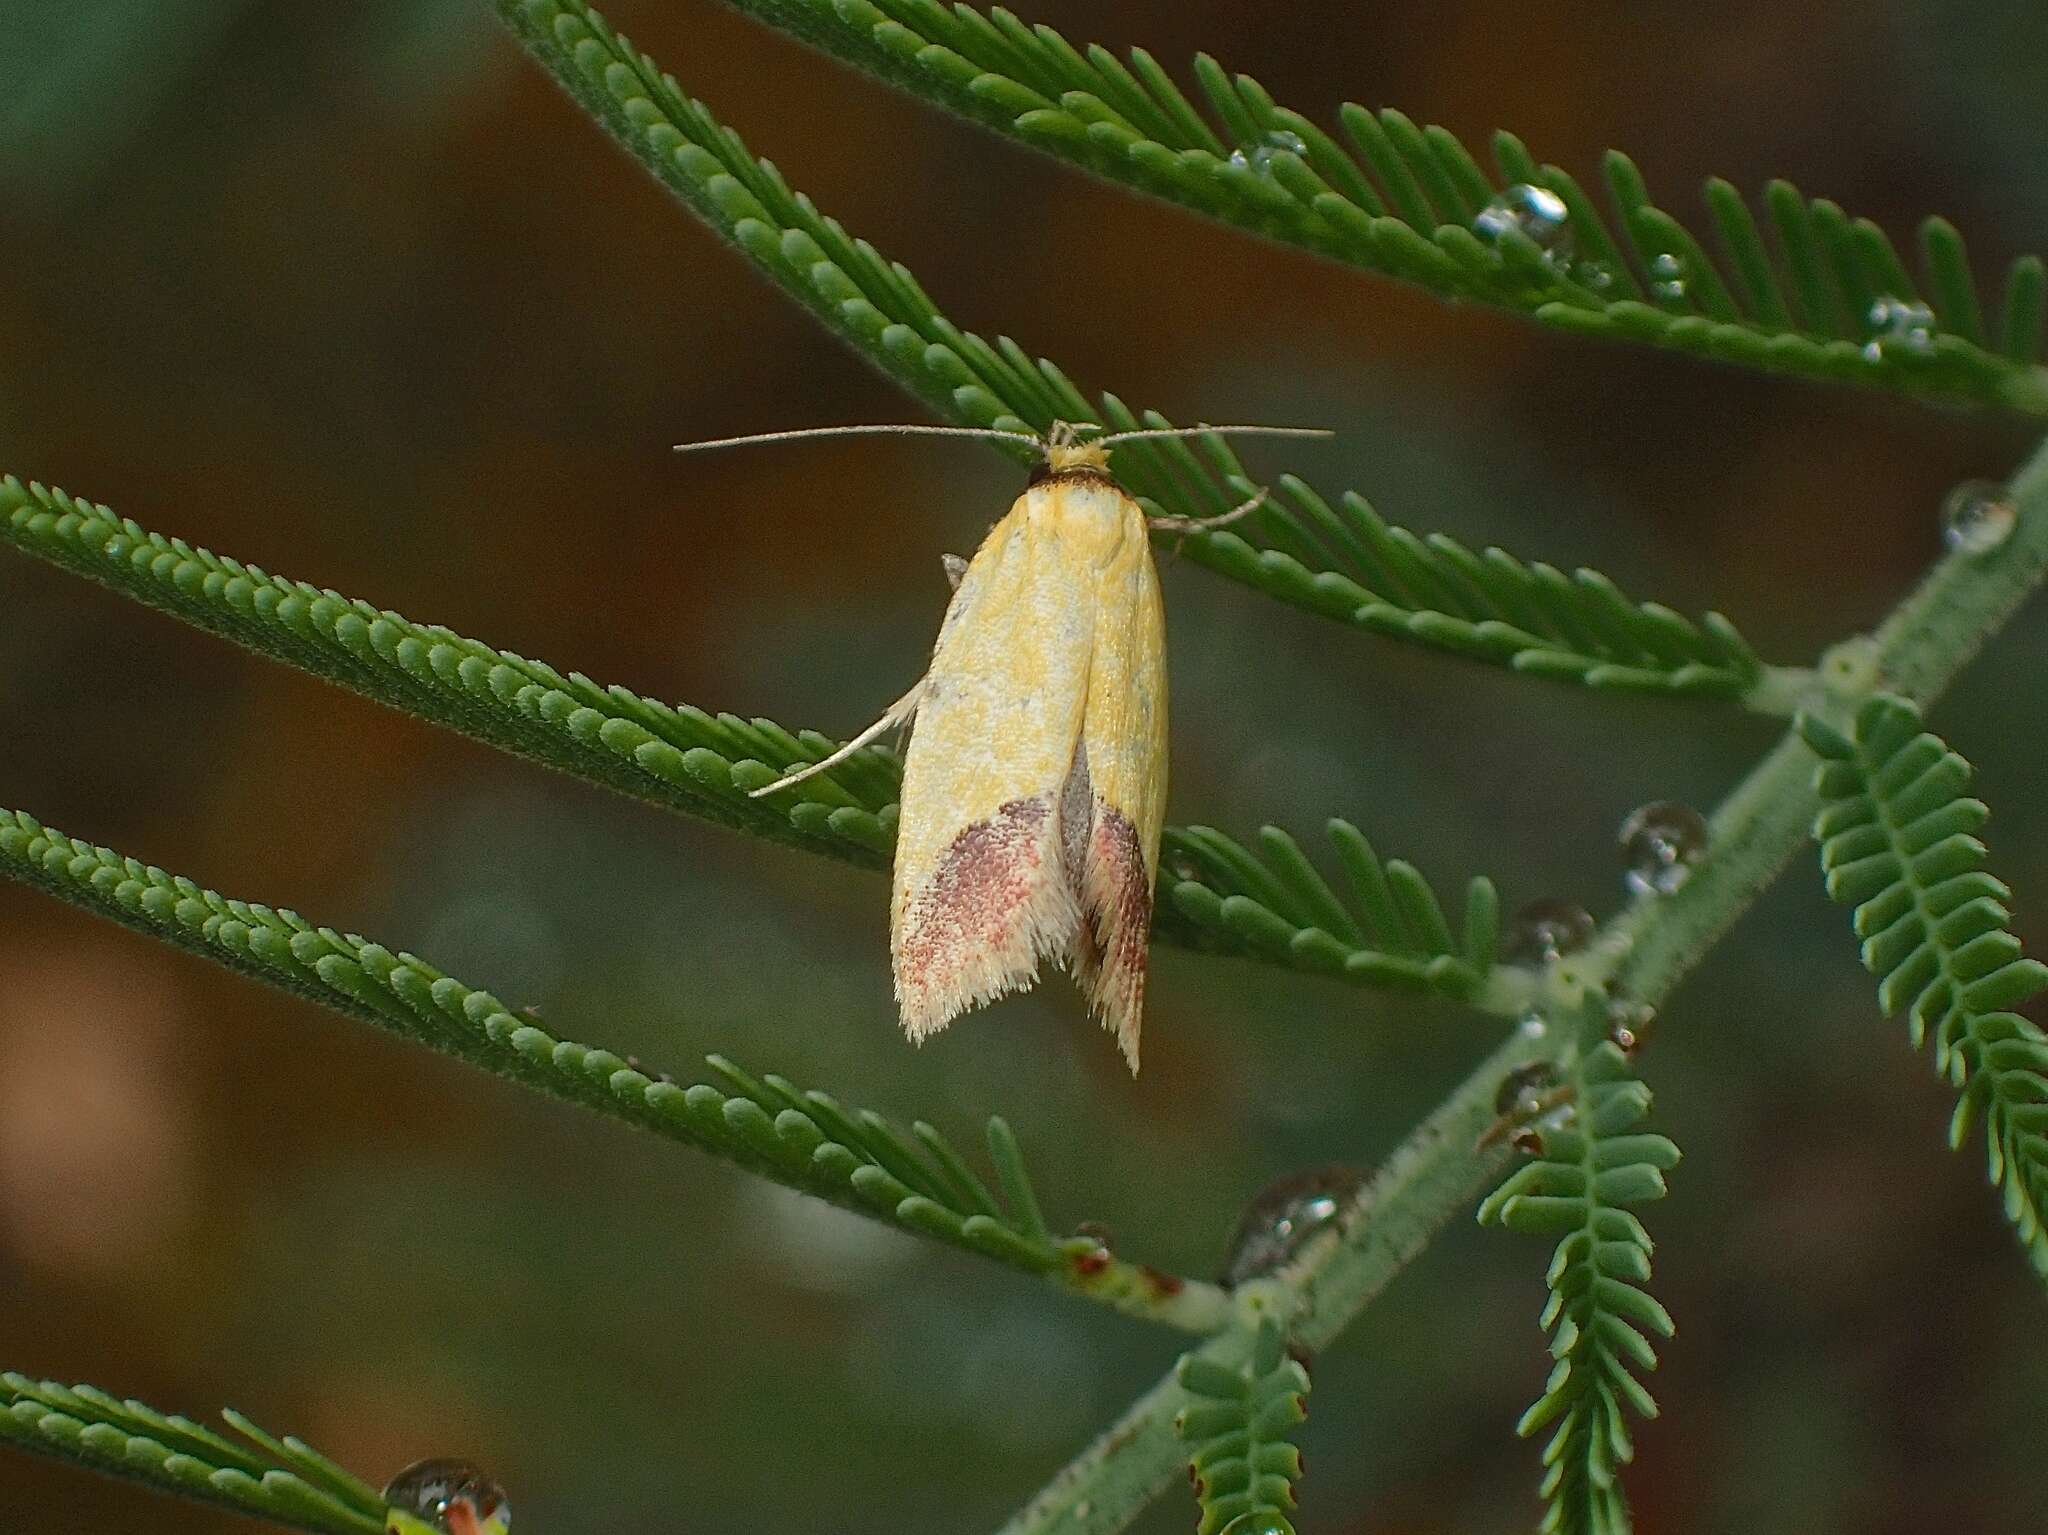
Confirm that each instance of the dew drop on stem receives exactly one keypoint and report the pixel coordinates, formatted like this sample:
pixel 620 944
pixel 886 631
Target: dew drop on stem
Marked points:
pixel 1660 843
pixel 1284 1215
pixel 1629 1024
pixel 1524 1091
pixel 1977 517
pixel 1547 930
pixel 448 1496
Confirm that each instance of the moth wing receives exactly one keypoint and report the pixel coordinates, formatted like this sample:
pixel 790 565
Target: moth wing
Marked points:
pixel 1124 748
pixel 980 894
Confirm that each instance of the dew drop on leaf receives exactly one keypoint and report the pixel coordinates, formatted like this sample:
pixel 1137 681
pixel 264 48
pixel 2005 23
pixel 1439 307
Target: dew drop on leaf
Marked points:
pixel 449 1496
pixel 1977 517
pixel 1284 1215
pixel 1899 325
pixel 1547 930
pixel 1536 212
pixel 1660 843
pixel 1259 156
pixel 1667 278
pixel 1260 1521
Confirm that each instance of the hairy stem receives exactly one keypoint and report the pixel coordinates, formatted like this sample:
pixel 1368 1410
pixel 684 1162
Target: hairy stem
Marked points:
pixel 1641 955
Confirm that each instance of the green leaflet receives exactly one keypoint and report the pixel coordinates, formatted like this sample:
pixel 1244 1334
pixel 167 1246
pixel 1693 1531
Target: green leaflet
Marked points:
pixel 1898 842
pixel 1835 301
pixel 282 1481
pixel 1592 1164
pixel 1391 931
pixel 1235 1428
pixel 1342 561
pixel 804 1140
pixel 1214 893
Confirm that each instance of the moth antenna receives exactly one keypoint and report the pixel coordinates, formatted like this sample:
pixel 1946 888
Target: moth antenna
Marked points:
pixel 902 429
pixel 1218 431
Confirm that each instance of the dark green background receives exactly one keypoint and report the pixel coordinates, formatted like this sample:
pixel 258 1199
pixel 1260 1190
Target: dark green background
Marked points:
pixel 351 292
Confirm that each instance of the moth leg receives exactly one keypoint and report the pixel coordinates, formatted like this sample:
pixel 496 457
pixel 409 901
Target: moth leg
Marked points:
pixel 955 567
pixel 1204 524
pixel 899 714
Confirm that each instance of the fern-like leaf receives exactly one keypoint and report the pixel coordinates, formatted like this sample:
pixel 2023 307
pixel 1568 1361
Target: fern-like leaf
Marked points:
pixel 1392 931
pixel 1243 1465
pixel 686 760
pixel 1593 1164
pixel 1413 203
pixel 804 1140
pixel 1342 562
pixel 280 1480
pixel 1898 842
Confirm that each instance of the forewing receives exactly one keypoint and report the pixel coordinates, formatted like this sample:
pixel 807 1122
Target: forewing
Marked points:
pixel 1124 744
pixel 980 893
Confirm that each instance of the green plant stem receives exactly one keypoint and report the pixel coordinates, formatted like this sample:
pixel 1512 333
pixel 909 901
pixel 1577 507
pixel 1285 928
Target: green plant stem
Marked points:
pixel 1640 955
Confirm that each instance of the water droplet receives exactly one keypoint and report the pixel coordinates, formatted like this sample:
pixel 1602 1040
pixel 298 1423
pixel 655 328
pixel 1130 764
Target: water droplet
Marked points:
pixel 1258 1522
pixel 1284 1215
pixel 1977 517
pixel 1182 867
pixel 1097 1233
pixel 1547 930
pixel 1536 212
pixel 1629 1024
pixel 451 1496
pixel 1533 1026
pixel 1661 842
pixel 1524 1091
pixel 1597 276
pixel 1259 156
pixel 1667 277
pixel 1899 325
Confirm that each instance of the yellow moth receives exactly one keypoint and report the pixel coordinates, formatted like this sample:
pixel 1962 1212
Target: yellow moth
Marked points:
pixel 1034 787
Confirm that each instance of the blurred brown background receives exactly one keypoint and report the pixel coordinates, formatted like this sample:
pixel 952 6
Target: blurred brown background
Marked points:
pixel 352 292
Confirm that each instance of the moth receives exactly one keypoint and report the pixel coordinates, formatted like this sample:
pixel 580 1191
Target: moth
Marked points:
pixel 1034 785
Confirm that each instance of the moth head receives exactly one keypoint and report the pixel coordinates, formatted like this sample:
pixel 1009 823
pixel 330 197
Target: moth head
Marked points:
pixel 1066 451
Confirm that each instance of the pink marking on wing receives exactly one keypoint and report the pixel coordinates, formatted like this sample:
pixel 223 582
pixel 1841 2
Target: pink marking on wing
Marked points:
pixel 987 916
pixel 985 875
pixel 1117 901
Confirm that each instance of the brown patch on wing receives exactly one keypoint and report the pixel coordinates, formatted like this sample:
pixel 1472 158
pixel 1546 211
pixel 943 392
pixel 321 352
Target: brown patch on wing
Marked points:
pixel 996 906
pixel 1116 905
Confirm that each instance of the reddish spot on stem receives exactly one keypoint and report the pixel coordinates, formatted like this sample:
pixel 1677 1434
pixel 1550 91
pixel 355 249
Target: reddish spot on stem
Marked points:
pixel 1162 1284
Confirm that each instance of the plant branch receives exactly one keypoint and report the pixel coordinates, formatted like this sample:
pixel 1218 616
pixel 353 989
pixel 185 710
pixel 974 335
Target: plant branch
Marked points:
pixel 804 1140
pixel 1640 956
pixel 1215 895
pixel 1338 559
pixel 280 1480
pixel 1413 204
